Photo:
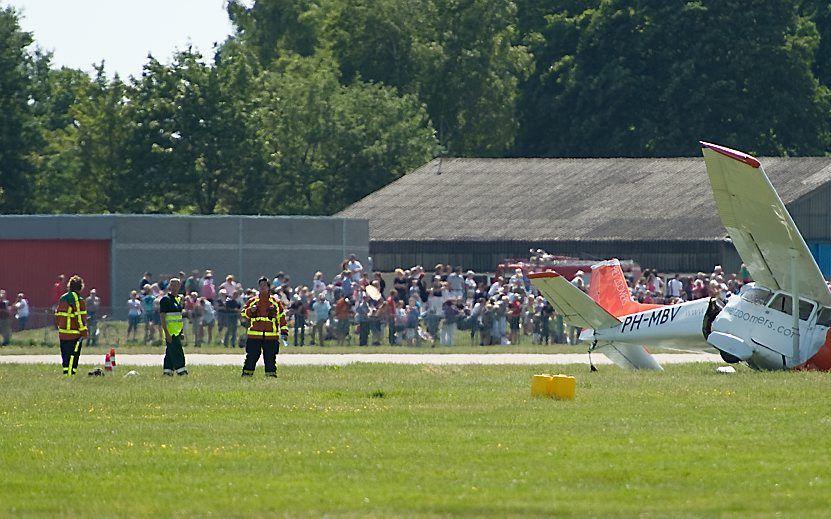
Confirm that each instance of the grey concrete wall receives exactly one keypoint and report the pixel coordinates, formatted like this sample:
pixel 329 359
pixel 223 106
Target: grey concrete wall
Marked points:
pixel 246 246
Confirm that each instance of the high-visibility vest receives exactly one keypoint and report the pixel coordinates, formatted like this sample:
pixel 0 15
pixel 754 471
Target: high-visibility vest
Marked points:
pixel 263 326
pixel 173 320
pixel 71 318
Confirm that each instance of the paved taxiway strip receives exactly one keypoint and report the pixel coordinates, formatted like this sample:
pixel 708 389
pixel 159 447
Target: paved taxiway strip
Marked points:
pixel 330 359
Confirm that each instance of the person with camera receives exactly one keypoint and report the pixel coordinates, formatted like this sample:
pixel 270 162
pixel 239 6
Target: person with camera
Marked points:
pixel 267 317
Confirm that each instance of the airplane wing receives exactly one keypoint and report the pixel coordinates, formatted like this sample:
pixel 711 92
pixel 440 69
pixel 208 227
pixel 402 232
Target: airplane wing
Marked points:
pixel 576 307
pixel 629 356
pixel 763 232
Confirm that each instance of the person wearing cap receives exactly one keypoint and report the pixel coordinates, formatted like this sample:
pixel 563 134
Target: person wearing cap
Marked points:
pixel 321 308
pixel 232 309
pixel 71 320
pixel 267 316
pixel 170 310
pixel 208 287
pixel 470 284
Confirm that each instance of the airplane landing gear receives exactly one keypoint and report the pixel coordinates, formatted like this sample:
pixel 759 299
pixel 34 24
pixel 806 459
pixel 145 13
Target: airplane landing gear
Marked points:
pixel 592 368
pixel 730 359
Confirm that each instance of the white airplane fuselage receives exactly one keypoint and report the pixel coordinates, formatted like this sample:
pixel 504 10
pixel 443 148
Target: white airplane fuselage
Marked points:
pixel 672 326
pixel 757 327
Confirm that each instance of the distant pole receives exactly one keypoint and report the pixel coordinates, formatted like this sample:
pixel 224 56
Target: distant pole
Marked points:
pixel 239 251
pixel 113 266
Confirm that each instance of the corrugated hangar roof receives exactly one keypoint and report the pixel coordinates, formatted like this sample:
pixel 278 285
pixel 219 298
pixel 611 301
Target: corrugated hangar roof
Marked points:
pixel 471 199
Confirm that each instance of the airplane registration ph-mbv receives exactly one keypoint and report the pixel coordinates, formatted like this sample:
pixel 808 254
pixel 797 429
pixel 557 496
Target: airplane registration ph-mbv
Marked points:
pixel 781 321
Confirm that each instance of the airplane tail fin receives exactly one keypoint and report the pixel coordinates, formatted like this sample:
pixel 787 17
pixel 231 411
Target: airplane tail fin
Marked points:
pixel 609 289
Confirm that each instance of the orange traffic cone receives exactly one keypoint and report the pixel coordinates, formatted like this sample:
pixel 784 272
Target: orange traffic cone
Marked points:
pixel 112 358
pixel 108 364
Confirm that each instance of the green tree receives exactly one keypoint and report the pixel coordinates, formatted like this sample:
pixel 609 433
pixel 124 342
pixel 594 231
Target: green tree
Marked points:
pixel 274 27
pixel 56 94
pixel 331 144
pixel 18 129
pixel 650 79
pixel 460 57
pixel 189 134
pixel 551 29
pixel 819 11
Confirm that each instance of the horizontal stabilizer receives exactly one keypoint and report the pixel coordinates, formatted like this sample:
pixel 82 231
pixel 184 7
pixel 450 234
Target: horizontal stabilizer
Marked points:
pixel 576 308
pixel 629 356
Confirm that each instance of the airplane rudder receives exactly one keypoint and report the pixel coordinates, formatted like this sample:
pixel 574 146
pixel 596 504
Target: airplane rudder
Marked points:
pixel 608 286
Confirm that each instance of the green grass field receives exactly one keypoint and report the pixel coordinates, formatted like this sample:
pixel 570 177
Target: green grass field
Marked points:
pixel 382 440
pixel 46 341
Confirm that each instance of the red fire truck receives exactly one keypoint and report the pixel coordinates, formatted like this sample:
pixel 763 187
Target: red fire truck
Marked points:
pixel 566 266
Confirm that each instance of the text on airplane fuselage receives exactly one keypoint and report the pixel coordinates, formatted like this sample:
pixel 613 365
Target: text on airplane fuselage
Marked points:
pixel 654 318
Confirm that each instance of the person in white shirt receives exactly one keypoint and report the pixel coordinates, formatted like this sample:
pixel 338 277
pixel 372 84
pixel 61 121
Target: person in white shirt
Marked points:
pixel 230 286
pixel 435 302
pixel 22 311
pixel 495 286
pixel 134 311
pixel 470 284
pixel 318 285
pixel 578 280
pixel 674 287
pixel 456 284
pixel 354 267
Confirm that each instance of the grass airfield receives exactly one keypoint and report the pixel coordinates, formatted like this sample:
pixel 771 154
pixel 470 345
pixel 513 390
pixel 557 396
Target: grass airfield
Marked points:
pixel 383 440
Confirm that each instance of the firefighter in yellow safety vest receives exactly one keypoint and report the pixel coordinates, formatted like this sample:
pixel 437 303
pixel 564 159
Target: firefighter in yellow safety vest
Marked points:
pixel 71 320
pixel 267 316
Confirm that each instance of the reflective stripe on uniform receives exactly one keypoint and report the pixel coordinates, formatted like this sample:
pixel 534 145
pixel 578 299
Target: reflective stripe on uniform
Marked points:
pixel 79 313
pixel 273 332
pixel 69 315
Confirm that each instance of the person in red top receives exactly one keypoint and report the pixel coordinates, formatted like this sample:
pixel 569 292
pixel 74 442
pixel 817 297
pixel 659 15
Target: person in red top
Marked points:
pixel 58 290
pixel 267 316
pixel 71 320
pixel 389 315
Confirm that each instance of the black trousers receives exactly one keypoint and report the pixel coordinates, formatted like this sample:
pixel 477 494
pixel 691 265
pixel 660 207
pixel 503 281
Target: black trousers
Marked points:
pixel 363 335
pixel 268 347
pixel 300 328
pixel 174 356
pixel 70 351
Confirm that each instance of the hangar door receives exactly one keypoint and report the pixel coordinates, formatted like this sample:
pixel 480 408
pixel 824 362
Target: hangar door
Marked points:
pixel 32 267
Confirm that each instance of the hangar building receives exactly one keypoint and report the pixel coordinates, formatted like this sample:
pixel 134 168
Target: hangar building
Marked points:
pixel 111 252
pixel 660 212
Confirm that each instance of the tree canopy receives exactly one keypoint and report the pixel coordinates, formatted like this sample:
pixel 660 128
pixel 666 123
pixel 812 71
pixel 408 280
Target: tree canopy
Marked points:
pixel 311 105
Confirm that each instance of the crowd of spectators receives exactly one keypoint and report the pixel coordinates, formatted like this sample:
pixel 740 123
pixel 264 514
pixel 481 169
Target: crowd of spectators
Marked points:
pixel 444 306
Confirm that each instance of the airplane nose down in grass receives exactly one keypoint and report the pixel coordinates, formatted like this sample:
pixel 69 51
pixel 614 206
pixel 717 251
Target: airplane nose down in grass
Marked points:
pixel 781 321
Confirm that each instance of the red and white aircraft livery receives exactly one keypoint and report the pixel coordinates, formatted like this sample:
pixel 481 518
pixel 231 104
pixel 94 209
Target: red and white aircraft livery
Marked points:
pixel 782 321
pixel 619 327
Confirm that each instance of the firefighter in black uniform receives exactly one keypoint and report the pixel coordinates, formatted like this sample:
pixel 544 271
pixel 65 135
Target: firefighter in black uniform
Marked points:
pixel 267 317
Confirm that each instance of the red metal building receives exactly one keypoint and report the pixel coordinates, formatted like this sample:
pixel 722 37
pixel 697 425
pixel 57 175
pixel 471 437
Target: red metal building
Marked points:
pixel 32 267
